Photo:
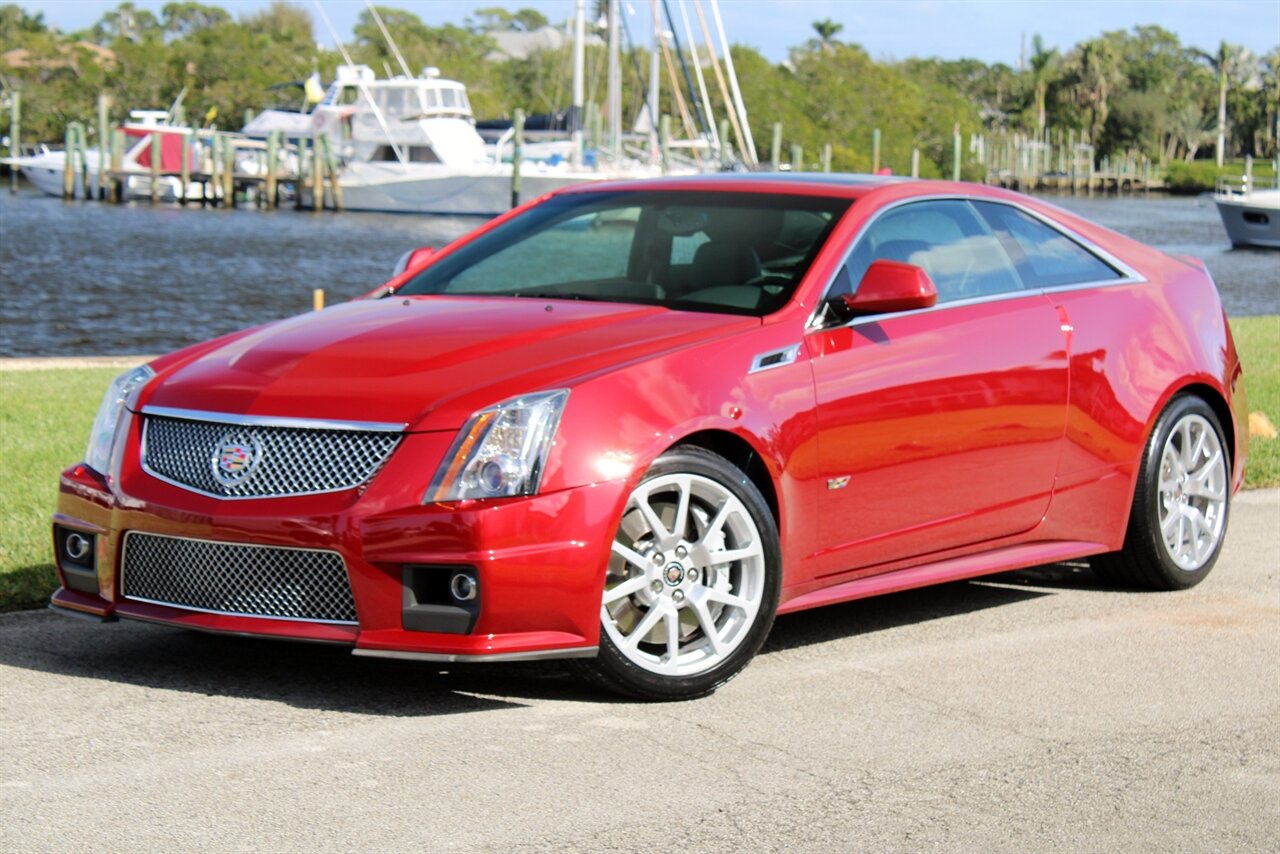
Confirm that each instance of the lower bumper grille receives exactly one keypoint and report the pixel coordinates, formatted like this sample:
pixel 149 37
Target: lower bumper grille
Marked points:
pixel 233 578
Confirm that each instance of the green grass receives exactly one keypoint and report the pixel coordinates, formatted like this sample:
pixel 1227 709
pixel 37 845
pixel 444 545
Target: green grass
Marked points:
pixel 44 425
pixel 1258 342
pixel 45 418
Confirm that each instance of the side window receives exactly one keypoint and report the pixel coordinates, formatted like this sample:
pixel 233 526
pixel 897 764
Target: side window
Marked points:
pixel 600 253
pixel 1045 257
pixel 948 240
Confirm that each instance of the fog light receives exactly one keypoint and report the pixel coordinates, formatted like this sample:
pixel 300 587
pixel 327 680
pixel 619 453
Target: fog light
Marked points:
pixel 77 547
pixel 463 586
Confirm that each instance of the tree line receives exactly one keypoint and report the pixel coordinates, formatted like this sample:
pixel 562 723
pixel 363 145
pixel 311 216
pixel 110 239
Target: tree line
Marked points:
pixel 1129 93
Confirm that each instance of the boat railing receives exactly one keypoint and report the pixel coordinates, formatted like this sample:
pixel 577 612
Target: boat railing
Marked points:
pixel 1239 187
pixel 499 147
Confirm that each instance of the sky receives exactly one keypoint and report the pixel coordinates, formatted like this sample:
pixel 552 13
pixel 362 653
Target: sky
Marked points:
pixel 989 30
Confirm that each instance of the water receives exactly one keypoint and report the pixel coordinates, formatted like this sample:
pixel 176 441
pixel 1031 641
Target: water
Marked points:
pixel 92 279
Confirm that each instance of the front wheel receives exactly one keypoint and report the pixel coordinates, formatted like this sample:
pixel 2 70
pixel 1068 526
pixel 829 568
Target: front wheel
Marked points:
pixel 1180 505
pixel 692 582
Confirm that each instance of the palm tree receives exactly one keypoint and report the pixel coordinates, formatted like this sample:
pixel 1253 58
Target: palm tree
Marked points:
pixel 1228 63
pixel 1187 126
pixel 1044 66
pixel 1271 99
pixel 827 30
pixel 1096 72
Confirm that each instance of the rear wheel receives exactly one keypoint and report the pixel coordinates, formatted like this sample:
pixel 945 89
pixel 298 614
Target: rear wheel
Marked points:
pixel 1180 504
pixel 692 583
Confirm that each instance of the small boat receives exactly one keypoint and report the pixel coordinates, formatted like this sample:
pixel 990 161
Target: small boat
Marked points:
pixel 1250 214
pixel 45 169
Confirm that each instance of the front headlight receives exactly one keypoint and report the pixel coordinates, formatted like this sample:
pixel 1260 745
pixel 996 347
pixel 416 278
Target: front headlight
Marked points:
pixel 122 393
pixel 502 450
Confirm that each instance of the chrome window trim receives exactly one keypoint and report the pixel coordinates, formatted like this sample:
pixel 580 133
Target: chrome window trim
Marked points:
pixel 124 547
pixel 1129 275
pixel 273 420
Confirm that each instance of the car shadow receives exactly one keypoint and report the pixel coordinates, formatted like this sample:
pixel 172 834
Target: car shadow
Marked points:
pixel 318 676
pixel 881 613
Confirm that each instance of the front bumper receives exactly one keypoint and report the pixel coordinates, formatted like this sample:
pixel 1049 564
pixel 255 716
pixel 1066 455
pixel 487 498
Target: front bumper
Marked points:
pixel 538 560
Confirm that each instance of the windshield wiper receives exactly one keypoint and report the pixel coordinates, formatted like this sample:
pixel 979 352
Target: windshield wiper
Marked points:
pixel 555 295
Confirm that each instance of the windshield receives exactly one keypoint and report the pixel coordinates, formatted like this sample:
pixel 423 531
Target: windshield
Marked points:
pixel 741 253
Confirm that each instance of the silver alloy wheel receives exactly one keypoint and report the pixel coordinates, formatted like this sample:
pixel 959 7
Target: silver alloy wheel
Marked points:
pixel 686 578
pixel 1192 497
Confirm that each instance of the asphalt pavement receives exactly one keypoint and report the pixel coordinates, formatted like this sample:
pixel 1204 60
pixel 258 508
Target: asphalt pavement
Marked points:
pixel 1032 711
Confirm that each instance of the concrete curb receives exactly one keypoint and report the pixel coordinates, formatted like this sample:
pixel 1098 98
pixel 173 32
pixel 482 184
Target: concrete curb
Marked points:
pixel 53 363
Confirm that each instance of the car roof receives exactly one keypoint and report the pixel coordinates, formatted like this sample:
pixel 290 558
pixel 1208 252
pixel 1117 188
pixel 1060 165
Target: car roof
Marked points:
pixel 849 185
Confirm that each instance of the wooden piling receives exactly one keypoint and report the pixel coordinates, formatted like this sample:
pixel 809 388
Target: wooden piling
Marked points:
pixel 69 162
pixel 115 182
pixel 215 168
pixel 955 153
pixel 15 133
pixel 317 174
pixel 156 154
pixel 229 171
pixel 595 124
pixel 875 150
pixel 273 153
pixel 82 147
pixel 185 170
pixel 104 134
pixel 826 157
pixel 664 142
pixel 775 149
pixel 915 163
pixel 797 158
pixel 331 166
pixel 517 154
pixel 317 299
pixel 301 182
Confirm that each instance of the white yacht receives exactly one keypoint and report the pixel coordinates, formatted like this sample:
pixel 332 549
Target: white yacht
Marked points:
pixel 1250 214
pixel 410 145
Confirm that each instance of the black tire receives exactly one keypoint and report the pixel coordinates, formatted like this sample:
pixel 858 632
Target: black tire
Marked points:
pixel 1146 561
pixel 757 580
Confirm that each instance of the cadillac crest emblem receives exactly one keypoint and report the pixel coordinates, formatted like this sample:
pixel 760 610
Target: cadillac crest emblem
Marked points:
pixel 235 459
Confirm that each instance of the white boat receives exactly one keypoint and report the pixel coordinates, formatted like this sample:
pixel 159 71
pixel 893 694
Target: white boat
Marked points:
pixel 45 169
pixel 1250 214
pixel 409 144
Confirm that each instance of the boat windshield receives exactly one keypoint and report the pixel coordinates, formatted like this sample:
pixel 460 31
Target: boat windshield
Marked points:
pixel 740 253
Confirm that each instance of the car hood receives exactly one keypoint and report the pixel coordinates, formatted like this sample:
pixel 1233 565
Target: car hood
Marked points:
pixel 427 362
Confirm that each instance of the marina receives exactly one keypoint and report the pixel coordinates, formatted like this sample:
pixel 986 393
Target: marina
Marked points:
pixel 91 279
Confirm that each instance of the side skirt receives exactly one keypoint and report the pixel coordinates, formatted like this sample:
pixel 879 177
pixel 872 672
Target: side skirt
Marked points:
pixel 955 569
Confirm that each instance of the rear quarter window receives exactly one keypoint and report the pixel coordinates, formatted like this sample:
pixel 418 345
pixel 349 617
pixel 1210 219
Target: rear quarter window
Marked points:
pixel 1044 256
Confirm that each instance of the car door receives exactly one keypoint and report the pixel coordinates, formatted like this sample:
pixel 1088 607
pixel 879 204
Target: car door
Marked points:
pixel 938 427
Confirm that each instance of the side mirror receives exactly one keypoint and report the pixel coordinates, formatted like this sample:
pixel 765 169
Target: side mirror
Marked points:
pixel 888 286
pixel 413 259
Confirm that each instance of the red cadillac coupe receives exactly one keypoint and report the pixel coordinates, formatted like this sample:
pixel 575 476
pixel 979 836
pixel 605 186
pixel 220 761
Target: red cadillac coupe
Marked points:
pixel 631 423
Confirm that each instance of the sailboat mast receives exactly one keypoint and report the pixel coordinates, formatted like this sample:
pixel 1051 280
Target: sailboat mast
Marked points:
pixel 615 82
pixel 654 154
pixel 733 84
pixel 712 130
pixel 579 63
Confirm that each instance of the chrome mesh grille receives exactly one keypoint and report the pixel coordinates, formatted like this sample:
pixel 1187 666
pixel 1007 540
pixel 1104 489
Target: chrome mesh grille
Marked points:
pixel 290 460
pixel 233 578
